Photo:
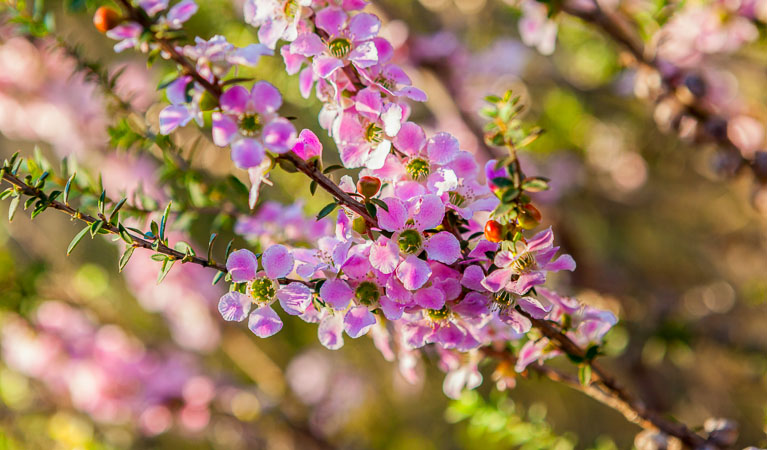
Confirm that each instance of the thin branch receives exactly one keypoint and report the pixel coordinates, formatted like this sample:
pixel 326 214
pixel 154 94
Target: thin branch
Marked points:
pixel 608 390
pixel 138 241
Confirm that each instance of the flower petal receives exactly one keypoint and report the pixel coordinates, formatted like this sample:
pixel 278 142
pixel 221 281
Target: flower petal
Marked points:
pixel 277 261
pixel 266 97
pixel 413 272
pixel 443 247
pixel 330 332
pixel 442 148
pixel 429 298
pixel 384 255
pixel 358 321
pixel 234 306
pixel 264 322
pixel 247 153
pixel 336 293
pixel 295 298
pixel 242 265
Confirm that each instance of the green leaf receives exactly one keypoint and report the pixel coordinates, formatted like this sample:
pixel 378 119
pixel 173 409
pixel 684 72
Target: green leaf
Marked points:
pixel 584 374
pixel 6 193
pixel 535 184
pixel 102 199
pixel 158 257
pixel 502 182
pixel 124 235
pixel 218 277
pixel 332 168
pixel 228 249
pixel 116 209
pixel 313 187
pixel 13 207
pixel 166 266
pixel 126 257
pixel 77 239
pixel 210 246
pixel 329 208
pixel 164 221
pixel 382 204
pixel 96 226
pixel 371 210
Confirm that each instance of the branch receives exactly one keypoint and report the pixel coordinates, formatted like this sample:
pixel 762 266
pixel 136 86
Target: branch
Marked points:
pixel 607 389
pixel 138 241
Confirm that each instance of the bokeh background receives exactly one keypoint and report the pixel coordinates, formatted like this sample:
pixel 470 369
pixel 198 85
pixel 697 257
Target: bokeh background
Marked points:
pixel 93 358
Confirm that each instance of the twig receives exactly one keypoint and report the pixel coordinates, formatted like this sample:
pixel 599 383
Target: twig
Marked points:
pixel 608 390
pixel 138 241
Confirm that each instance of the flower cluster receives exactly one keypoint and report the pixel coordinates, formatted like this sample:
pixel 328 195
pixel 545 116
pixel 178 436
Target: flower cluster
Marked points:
pixel 414 270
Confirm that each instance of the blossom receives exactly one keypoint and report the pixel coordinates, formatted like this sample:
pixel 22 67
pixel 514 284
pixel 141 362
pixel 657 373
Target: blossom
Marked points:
pixel 348 41
pixel 364 133
pixel 407 222
pixel 249 122
pixel 262 289
pixel 523 268
pixel 275 19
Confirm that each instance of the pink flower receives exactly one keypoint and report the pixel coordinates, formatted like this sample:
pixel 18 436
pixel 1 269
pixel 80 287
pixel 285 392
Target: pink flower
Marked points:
pixel 349 41
pixel 249 122
pixel 363 133
pixel 262 289
pixel 275 19
pixel 525 267
pixel 408 222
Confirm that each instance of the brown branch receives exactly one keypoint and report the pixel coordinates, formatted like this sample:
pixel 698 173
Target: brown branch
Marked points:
pixel 215 90
pixel 138 241
pixel 608 390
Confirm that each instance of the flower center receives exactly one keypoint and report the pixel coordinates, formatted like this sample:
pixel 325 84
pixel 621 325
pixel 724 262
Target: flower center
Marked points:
pixel 249 124
pixel 503 298
pixel 367 293
pixel 262 290
pixel 291 9
pixel 385 82
pixel 456 198
pixel 524 263
pixel 409 241
pixel 438 314
pixel 418 168
pixel 340 47
pixel 374 134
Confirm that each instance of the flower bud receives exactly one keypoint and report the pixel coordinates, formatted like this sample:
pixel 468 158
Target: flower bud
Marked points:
pixel 105 19
pixel 368 186
pixel 493 231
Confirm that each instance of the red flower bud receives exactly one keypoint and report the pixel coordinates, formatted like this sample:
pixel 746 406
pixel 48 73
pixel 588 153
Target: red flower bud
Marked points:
pixel 105 19
pixel 493 231
pixel 368 186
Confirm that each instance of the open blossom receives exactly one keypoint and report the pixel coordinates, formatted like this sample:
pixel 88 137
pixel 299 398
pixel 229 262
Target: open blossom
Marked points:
pixel 248 121
pixel 262 289
pixel 348 41
pixel 407 222
pixel 525 267
pixel 364 133
pixel 275 19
